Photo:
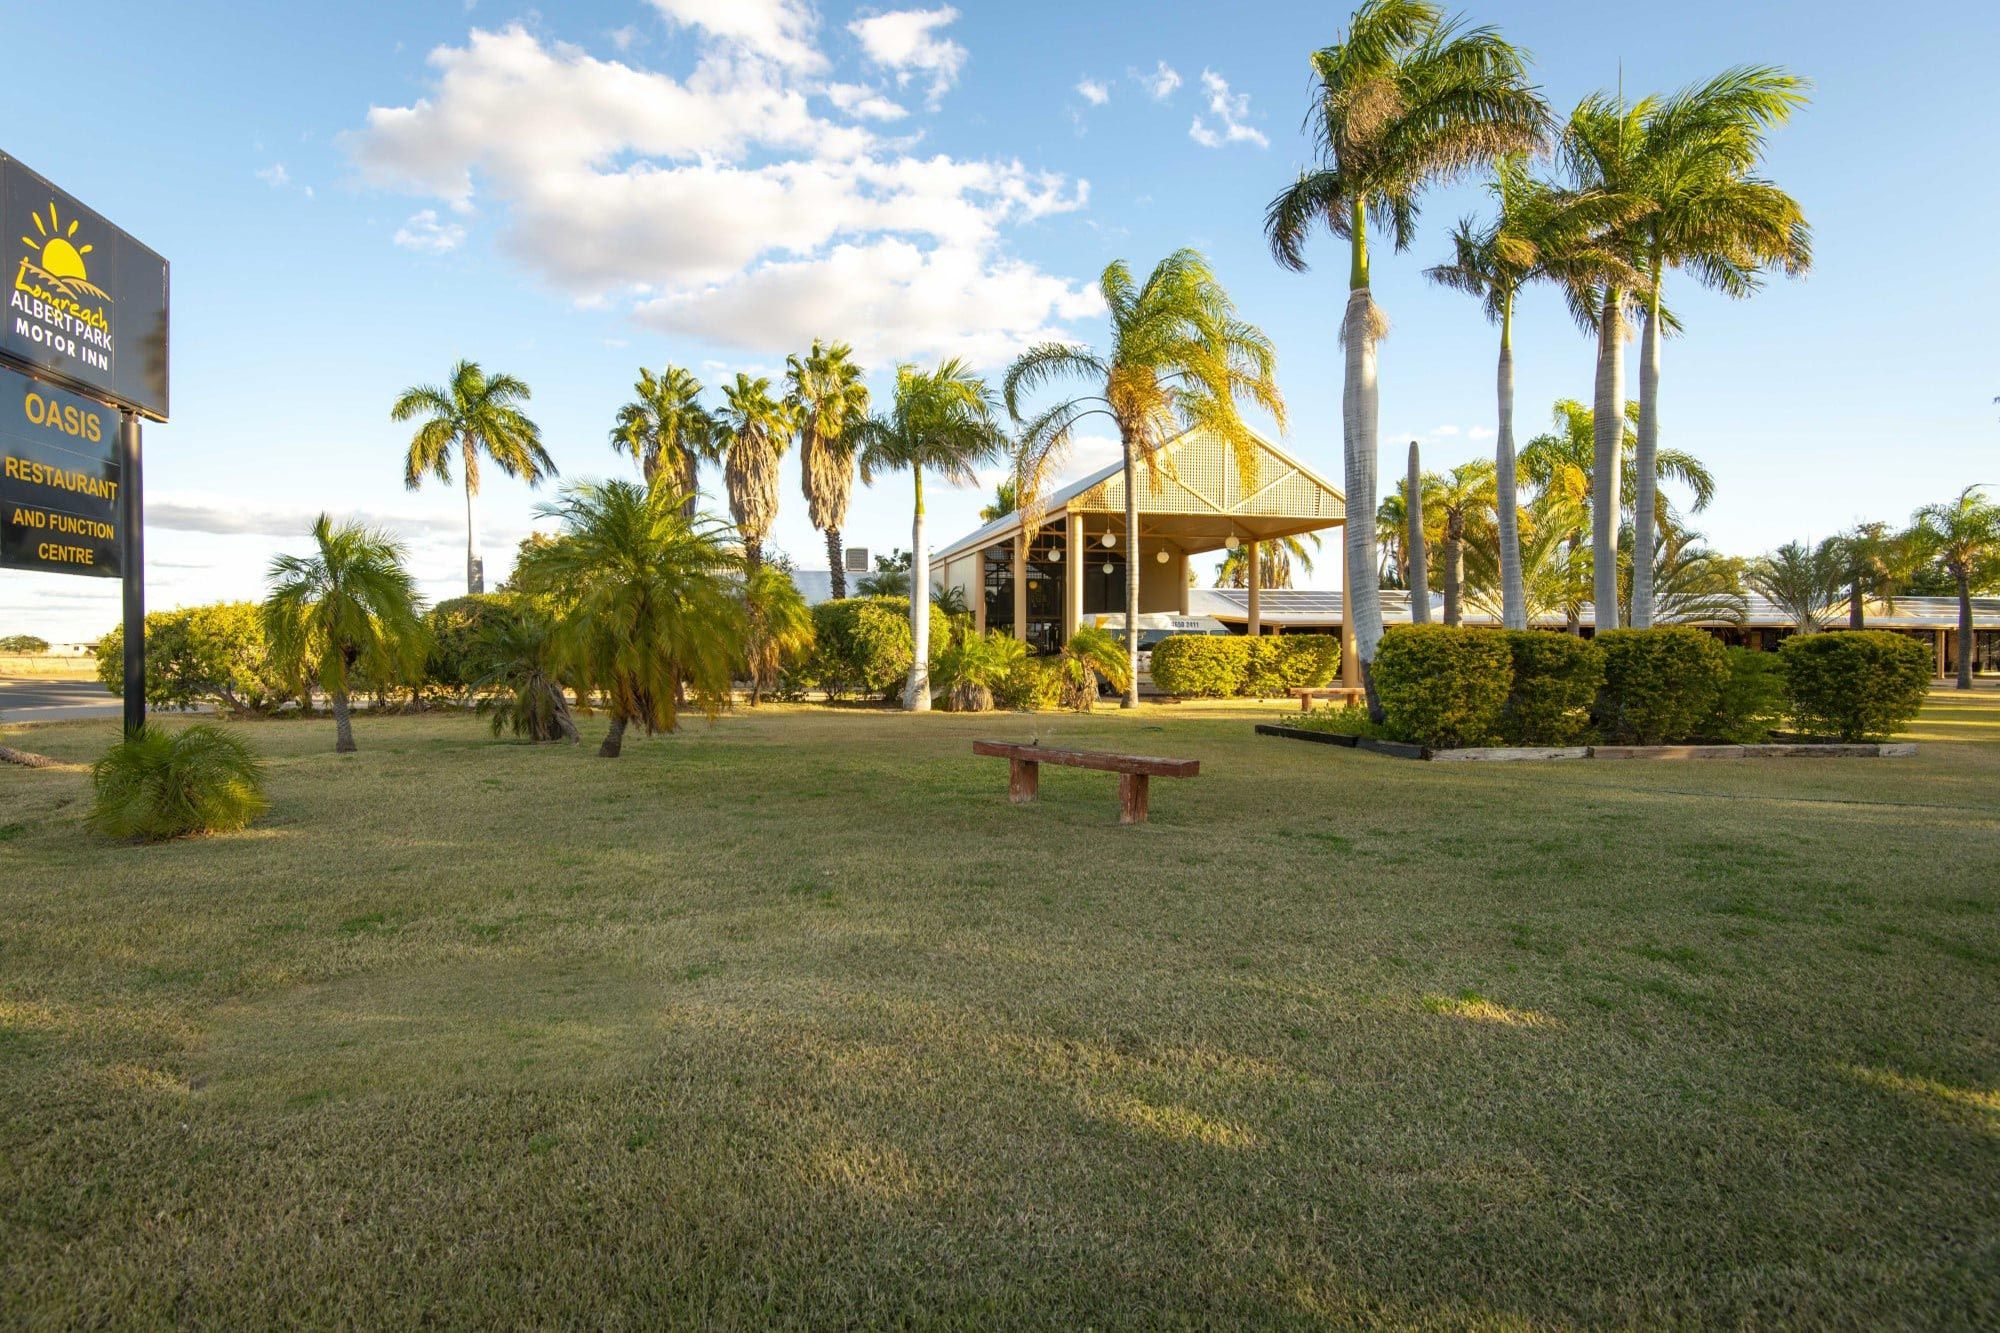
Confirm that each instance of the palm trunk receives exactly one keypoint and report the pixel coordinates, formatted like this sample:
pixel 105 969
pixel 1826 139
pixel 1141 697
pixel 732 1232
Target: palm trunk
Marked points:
pixel 475 576
pixel 917 693
pixel 1964 631
pixel 614 739
pixel 690 484
pixel 1608 421
pixel 343 722
pixel 1359 408
pixel 1131 575
pixel 1513 597
pixel 1418 575
pixel 1856 617
pixel 1454 569
pixel 1645 487
pixel 835 564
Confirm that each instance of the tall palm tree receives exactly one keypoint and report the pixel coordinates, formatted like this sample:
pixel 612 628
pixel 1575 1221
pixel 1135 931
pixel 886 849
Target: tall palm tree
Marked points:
pixel 349 607
pixel 756 430
pixel 1538 231
pixel 1392 532
pixel 1277 558
pixel 471 413
pixel 1179 358
pixel 1564 460
pixel 1802 579
pixel 943 420
pixel 1465 497
pixel 827 398
pixel 648 598
pixel 1404 100
pixel 1964 536
pixel 1416 539
pixel 1704 213
pixel 668 432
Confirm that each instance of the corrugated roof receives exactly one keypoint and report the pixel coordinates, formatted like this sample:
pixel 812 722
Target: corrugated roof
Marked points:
pixel 1281 606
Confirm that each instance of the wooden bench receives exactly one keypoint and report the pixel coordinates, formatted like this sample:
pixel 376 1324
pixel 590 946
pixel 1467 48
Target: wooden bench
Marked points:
pixel 1134 771
pixel 1305 694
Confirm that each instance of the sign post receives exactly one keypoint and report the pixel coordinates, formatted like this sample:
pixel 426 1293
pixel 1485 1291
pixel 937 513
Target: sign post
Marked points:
pixel 83 357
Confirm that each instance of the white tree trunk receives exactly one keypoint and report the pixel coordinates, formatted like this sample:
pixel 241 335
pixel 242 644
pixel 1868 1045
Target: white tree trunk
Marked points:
pixel 475 577
pixel 1131 579
pixel 1608 419
pixel 1646 482
pixel 1419 559
pixel 917 693
pixel 1358 419
pixel 1513 599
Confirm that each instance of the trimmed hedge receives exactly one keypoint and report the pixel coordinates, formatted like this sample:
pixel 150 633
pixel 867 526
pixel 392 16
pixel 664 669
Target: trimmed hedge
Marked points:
pixel 1556 680
pixel 1443 685
pixel 1220 666
pixel 1032 685
pixel 1855 684
pixel 1661 686
pixel 1275 663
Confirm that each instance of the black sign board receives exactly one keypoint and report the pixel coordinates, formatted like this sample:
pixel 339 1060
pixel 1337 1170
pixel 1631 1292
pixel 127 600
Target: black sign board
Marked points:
pixel 85 303
pixel 59 480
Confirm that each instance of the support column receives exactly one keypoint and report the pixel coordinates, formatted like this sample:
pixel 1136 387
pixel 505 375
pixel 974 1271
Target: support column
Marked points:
pixel 1940 654
pixel 1021 585
pixel 1074 560
pixel 132 519
pixel 1181 573
pixel 979 591
pixel 1350 664
pixel 1254 556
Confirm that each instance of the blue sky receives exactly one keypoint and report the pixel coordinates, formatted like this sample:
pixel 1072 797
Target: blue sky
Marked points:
pixel 351 204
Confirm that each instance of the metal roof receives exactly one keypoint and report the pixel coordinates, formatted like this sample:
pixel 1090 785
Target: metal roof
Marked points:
pixel 1309 606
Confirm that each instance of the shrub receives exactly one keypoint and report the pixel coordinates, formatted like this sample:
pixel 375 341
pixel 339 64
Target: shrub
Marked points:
pixel 1275 663
pixel 158 784
pixel 1031 685
pixel 972 665
pixel 1855 685
pixel 1661 686
pixel 1200 666
pixel 1443 685
pixel 1340 719
pixel 1556 679
pixel 862 645
pixel 455 661
pixel 214 654
pixel 1753 697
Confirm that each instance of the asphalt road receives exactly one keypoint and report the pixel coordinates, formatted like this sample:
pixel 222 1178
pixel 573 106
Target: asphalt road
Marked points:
pixel 25 699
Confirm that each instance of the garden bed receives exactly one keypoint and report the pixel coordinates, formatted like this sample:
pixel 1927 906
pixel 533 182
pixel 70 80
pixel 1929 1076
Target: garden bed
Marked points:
pixel 1512 753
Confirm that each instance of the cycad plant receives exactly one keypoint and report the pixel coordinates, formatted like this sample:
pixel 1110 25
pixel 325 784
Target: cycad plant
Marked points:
pixel 1802 579
pixel 827 399
pixel 470 414
pixel 1089 654
pixel 348 610
pixel 756 430
pixel 1179 360
pixel 1405 99
pixel 972 664
pixel 158 783
pixel 668 432
pixel 519 682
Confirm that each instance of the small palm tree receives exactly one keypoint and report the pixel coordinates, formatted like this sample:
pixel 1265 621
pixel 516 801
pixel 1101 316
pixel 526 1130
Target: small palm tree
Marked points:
pixel 1876 561
pixel 1277 557
pixel 350 607
pixel 1406 99
pixel 1464 498
pixel 827 399
pixel 942 420
pixel 779 626
pixel 1178 360
pixel 1004 502
pixel 1089 654
pixel 756 430
pixel 471 413
pixel 1803 580
pixel 649 601
pixel 519 681
pixel 1692 585
pixel 1964 536
pixel 972 664
pixel 157 784
pixel 668 432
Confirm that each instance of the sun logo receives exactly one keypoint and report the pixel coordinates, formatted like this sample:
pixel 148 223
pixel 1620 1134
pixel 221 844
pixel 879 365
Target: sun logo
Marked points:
pixel 60 259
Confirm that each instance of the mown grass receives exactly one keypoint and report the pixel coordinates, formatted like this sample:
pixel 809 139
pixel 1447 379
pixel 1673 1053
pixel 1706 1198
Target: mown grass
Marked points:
pixel 794 1020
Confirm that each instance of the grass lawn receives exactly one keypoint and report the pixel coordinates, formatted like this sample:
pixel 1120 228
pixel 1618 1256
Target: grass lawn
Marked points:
pixel 793 1019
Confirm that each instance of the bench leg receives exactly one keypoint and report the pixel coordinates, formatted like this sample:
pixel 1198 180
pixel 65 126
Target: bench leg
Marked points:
pixel 1132 789
pixel 1305 703
pixel 1023 775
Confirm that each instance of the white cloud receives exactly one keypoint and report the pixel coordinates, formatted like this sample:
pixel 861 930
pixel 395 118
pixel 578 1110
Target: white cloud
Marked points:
pixel 1093 92
pixel 907 41
pixel 777 30
pixel 426 234
pixel 1161 83
pixel 859 100
pixel 1444 432
pixel 232 518
pixel 718 203
pixel 275 176
pixel 1480 433
pixel 622 38
pixel 1231 111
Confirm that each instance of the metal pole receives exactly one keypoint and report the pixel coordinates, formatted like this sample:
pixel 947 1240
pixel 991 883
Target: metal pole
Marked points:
pixel 131 519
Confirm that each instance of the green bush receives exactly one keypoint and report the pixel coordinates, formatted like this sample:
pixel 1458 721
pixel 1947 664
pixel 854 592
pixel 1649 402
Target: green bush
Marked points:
pixel 1556 679
pixel 1855 685
pixel 1340 719
pixel 1753 698
pixel 32 645
pixel 972 666
pixel 1661 686
pixel 212 654
pixel 862 645
pixel 1031 685
pixel 158 784
pixel 1200 666
pixel 1275 663
pixel 455 661
pixel 1443 686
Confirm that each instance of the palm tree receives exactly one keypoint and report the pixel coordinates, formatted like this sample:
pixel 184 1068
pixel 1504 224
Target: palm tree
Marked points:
pixel 350 607
pixel 1693 585
pixel 1392 533
pixel 1539 231
pixel 1276 559
pixel 1964 536
pixel 780 622
pixel 1179 357
pixel 1404 100
pixel 520 681
pixel 668 432
pixel 1465 496
pixel 943 420
pixel 827 398
pixel 1416 540
pixel 756 429
pixel 1801 579
pixel 1875 561
pixel 1706 214
pixel 649 601
pixel 1004 502
pixel 472 412
pixel 1086 655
